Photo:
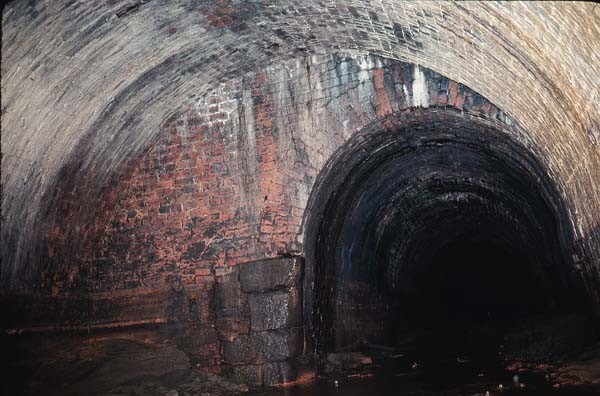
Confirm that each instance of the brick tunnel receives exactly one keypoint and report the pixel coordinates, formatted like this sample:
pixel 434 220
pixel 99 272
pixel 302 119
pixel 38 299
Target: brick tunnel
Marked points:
pixel 201 197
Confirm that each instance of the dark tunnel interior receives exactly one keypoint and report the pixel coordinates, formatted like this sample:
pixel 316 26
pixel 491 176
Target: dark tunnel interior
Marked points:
pixel 440 225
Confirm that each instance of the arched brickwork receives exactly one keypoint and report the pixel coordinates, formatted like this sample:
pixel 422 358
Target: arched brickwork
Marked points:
pixel 107 76
pixel 150 149
pixel 407 189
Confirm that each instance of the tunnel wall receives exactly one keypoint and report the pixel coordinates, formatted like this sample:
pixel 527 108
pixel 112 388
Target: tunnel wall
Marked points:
pixel 107 75
pixel 229 180
pixel 227 183
pixel 137 188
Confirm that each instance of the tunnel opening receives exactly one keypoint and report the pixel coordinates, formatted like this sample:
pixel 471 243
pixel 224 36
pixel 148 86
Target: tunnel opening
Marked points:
pixel 436 233
pixel 479 280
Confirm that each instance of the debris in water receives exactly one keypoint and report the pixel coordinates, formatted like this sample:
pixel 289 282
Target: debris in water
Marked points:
pixel 358 375
pixel 461 360
pixel 514 366
pixel 346 361
pixel 414 365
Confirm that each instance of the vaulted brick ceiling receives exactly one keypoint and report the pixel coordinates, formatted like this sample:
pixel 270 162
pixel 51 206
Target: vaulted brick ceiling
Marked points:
pixel 86 87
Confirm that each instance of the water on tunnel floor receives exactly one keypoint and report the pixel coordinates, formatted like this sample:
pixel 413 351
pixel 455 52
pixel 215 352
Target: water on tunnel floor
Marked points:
pixel 422 373
pixel 431 378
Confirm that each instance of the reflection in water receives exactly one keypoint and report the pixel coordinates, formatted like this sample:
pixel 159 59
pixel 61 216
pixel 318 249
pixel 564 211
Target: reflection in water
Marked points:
pixel 433 378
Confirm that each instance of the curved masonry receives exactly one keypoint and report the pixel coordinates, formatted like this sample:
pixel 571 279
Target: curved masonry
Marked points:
pixel 403 192
pixel 151 150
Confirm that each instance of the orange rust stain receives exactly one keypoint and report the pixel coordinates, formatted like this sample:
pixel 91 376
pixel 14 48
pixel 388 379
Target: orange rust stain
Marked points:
pixel 302 379
pixel 383 98
pixel 455 99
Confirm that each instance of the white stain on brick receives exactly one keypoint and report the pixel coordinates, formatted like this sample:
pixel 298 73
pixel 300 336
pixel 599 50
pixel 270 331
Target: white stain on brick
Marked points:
pixel 419 88
pixel 365 64
pixel 218 106
pixel 406 94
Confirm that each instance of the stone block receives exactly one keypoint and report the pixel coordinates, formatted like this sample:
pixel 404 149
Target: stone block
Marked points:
pixel 264 346
pixel 271 274
pixel 282 344
pixel 228 294
pixel 241 350
pixel 251 375
pixel 229 328
pixel 279 373
pixel 266 374
pixel 231 307
pixel 275 310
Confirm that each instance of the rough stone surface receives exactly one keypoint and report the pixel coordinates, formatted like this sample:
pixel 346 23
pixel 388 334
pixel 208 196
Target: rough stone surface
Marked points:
pixel 231 307
pixel 259 321
pixel 274 310
pixel 279 373
pixel 262 374
pixel 264 346
pixel 271 275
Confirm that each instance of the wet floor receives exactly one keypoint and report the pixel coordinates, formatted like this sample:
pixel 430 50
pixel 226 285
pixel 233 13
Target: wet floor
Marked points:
pixel 441 378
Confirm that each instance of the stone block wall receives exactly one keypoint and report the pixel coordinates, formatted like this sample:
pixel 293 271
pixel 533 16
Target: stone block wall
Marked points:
pixel 259 321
